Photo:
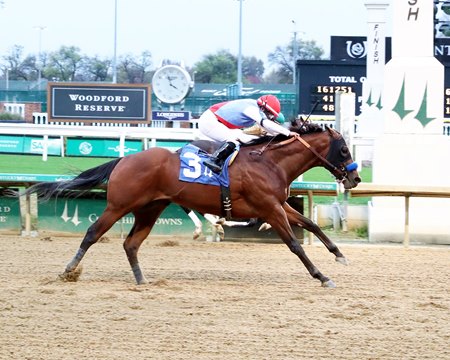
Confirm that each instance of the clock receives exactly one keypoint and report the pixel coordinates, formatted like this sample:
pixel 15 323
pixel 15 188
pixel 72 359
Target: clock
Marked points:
pixel 171 84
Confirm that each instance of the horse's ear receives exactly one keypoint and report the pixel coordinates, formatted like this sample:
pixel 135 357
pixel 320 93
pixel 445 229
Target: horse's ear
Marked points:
pixel 294 124
pixel 333 133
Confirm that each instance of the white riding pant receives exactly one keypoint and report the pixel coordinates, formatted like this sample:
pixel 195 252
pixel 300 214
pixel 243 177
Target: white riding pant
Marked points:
pixel 215 130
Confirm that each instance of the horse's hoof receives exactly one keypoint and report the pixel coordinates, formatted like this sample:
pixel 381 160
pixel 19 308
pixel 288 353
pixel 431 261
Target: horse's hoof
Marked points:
pixel 72 275
pixel 329 284
pixel 221 232
pixel 196 234
pixel 342 260
pixel 143 281
pixel 264 226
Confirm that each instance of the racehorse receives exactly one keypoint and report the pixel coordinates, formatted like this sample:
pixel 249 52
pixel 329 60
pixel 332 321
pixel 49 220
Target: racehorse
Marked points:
pixel 145 183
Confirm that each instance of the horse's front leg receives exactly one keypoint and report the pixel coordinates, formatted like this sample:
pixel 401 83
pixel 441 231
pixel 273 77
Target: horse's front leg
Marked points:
pixel 279 221
pixel 296 218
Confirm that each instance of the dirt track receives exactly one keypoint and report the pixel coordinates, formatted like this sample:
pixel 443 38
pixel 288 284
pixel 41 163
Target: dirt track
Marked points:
pixel 222 301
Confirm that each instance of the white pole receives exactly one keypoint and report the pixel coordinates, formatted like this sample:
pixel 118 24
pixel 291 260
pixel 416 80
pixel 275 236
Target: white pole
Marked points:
pixel 45 148
pixel 40 28
pixel 122 145
pixel 239 69
pixel 61 138
pixel 114 64
pixel 294 54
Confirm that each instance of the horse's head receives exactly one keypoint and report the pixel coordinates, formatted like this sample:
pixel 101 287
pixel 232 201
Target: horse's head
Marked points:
pixel 340 157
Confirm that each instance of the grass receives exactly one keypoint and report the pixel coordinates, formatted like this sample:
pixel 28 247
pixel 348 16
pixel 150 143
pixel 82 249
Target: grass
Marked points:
pixel 33 164
pixel 320 174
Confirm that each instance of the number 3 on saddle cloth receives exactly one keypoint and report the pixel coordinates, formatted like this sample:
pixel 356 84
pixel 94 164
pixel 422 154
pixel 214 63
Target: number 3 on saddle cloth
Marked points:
pixel 192 168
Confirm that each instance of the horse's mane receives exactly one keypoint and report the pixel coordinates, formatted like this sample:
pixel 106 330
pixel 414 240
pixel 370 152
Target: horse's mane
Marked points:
pixel 305 127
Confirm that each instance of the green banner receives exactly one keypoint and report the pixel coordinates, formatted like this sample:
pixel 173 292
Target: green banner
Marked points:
pixel 76 215
pixel 100 147
pixel 29 145
pixel 10 214
pixel 313 185
pixel 33 177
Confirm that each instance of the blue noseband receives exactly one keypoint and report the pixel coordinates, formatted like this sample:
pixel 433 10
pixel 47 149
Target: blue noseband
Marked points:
pixel 351 167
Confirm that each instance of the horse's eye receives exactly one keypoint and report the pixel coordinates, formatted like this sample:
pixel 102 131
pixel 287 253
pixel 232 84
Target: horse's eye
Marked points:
pixel 344 151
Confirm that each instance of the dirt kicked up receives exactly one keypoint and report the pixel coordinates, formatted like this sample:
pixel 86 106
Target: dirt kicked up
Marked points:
pixel 222 301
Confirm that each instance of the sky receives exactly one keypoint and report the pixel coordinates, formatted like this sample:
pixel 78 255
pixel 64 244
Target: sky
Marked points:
pixel 180 30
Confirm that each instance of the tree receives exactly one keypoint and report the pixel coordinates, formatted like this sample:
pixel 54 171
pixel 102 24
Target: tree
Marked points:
pixel 134 70
pixel 64 64
pixel 221 68
pixel 282 57
pixel 252 70
pixel 20 68
pixel 96 69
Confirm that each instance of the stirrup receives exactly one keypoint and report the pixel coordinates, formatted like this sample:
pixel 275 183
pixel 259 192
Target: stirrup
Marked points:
pixel 210 164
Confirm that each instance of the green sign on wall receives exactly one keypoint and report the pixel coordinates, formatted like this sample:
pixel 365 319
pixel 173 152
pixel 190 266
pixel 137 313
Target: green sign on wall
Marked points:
pixel 76 215
pixel 29 145
pixel 100 147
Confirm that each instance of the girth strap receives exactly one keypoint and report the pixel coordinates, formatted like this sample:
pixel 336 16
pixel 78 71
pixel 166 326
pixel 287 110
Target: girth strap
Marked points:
pixel 225 195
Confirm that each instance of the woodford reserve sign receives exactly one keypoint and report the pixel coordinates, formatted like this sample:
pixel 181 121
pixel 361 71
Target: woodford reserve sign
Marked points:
pixel 92 102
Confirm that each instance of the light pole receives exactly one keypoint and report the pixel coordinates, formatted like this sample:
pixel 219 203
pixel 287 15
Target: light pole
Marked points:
pixel 39 66
pixel 114 64
pixel 294 53
pixel 193 81
pixel 239 64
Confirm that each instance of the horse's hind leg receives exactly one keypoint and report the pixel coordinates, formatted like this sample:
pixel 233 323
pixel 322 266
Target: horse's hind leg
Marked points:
pixel 95 231
pixel 144 219
pixel 296 218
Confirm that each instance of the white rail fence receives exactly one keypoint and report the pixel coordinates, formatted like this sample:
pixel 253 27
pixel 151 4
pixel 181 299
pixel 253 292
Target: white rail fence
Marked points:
pixel 148 133
pixel 41 119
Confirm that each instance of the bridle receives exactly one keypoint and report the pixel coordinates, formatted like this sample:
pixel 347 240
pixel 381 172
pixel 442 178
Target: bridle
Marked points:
pixel 339 172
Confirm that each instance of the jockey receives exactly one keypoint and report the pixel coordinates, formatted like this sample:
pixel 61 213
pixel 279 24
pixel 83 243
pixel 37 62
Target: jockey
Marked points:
pixel 225 122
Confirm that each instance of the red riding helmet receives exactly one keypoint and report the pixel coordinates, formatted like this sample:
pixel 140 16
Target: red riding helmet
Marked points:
pixel 270 103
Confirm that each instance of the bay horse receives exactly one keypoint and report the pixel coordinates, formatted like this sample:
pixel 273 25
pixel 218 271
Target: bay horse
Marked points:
pixel 145 183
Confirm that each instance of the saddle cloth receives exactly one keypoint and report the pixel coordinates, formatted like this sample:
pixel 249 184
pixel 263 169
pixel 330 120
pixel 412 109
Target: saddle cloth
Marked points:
pixel 193 170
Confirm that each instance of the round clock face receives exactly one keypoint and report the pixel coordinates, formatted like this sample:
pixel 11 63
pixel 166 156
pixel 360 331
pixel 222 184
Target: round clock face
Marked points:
pixel 171 84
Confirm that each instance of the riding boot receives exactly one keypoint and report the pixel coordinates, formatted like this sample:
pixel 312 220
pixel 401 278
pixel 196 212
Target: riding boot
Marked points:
pixel 215 162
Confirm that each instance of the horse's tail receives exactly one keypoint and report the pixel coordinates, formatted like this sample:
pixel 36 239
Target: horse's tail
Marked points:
pixel 85 181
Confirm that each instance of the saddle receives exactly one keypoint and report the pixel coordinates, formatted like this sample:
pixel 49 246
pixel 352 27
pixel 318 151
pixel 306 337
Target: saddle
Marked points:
pixel 222 179
pixel 210 146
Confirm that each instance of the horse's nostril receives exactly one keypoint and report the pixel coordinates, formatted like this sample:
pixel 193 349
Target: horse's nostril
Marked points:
pixel 357 179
